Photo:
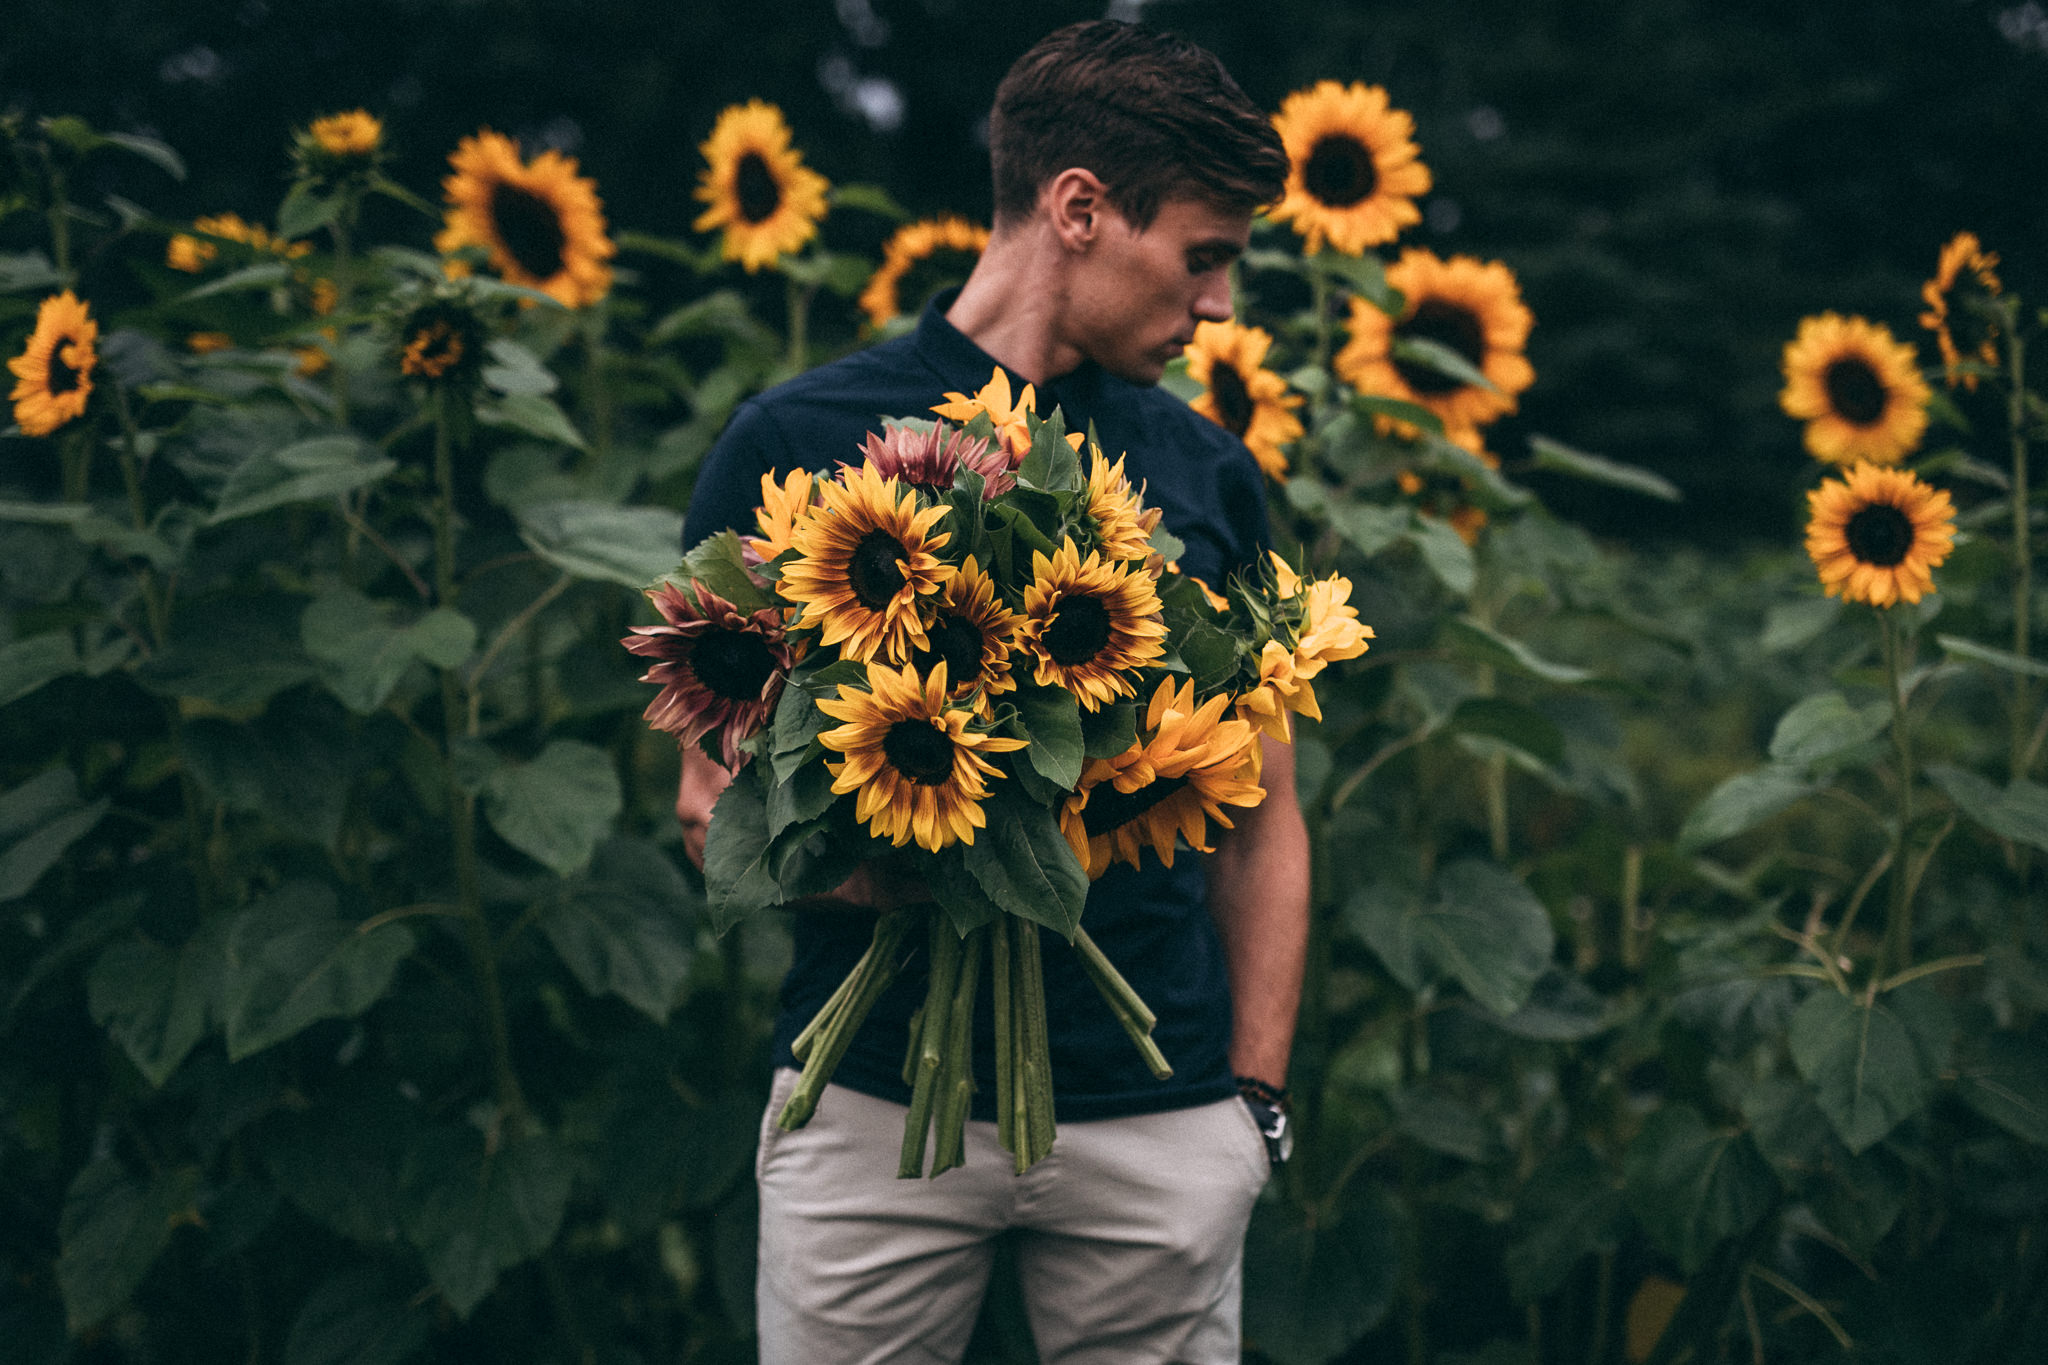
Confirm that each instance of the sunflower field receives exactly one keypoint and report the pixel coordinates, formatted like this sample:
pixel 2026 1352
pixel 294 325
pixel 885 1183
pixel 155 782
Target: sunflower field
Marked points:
pixel 1680 930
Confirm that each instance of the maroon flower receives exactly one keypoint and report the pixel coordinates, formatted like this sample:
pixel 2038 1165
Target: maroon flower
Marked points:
pixel 719 668
pixel 929 459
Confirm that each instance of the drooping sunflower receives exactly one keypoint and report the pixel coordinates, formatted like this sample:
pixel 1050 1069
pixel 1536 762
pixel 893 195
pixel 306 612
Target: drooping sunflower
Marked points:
pixel 1089 624
pixel 971 634
pixel 1355 170
pixel 1123 524
pixel 1858 390
pixel 1475 309
pixel 783 505
pixel 930 460
pixel 53 374
pixel 1877 535
pixel 540 224
pixel 720 669
pixel 1188 765
pixel 1240 394
pixel 864 562
pixel 757 187
pixel 917 763
pixel 909 245
pixel 1963 252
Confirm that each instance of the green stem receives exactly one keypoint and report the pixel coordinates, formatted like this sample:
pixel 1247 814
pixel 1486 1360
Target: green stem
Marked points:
pixel 2022 554
pixel 799 322
pixel 154 602
pixel 1006 1071
pixel 60 222
pixel 1124 1002
pixel 344 271
pixel 931 1048
pixel 74 454
pixel 875 972
pixel 1899 922
pixel 597 394
pixel 1037 1050
pixel 1319 306
pixel 956 1085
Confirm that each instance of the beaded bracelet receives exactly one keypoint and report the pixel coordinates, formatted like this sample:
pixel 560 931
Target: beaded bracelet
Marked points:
pixel 1251 1087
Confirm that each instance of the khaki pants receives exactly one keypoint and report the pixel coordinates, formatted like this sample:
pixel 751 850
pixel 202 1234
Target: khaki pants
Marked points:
pixel 1130 1246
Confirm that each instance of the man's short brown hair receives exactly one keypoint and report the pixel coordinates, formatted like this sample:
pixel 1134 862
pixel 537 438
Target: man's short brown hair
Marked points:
pixel 1152 115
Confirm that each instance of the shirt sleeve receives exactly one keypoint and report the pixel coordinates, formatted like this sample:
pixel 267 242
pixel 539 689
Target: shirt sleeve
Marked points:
pixel 728 487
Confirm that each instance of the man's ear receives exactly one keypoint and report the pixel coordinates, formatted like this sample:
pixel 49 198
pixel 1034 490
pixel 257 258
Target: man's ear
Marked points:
pixel 1074 202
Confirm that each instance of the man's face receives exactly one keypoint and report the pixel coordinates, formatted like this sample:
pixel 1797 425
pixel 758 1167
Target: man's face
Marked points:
pixel 1137 295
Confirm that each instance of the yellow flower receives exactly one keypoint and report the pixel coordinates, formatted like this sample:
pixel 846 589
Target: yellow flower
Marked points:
pixel 206 343
pixel 1858 390
pixel 1355 170
pixel 1123 524
pixel 188 253
pixel 541 224
pixel 1877 534
pixel 311 360
pixel 971 634
pixel 993 398
pixel 1089 625
pixel 1474 309
pixel 53 374
pixel 356 133
pixel 1963 252
pixel 783 505
pixel 909 244
pixel 757 187
pixel 1325 629
pixel 231 227
pixel 864 561
pixel 1241 395
pixel 917 765
pixel 323 296
pixel 1188 765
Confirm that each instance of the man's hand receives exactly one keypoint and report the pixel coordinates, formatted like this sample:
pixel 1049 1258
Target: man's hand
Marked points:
pixel 1258 894
pixel 696 794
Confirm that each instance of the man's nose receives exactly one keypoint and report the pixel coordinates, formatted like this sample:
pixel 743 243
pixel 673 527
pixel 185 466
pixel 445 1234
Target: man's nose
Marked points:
pixel 1213 304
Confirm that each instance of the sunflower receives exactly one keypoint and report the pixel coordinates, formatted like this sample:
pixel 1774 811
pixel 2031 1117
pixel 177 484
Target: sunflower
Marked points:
pixel 1089 624
pixel 187 253
pixel 757 186
pixel 441 340
pixel 864 558
pixel 1325 629
pixel 918 766
pixel 207 343
pixel 993 399
pixel 351 135
pixel 1241 395
pixel 1123 524
pixel 1858 390
pixel 1963 252
pixel 908 245
pixel 540 223
pixel 231 227
pixel 1475 309
pixel 53 374
pixel 1355 170
pixel 970 634
pixel 782 506
pixel 1877 534
pixel 930 460
pixel 720 669
pixel 1190 764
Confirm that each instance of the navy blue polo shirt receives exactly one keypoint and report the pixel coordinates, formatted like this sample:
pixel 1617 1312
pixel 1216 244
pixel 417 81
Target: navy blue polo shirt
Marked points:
pixel 1152 921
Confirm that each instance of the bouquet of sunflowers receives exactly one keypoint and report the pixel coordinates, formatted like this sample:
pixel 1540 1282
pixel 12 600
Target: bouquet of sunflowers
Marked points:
pixel 973 646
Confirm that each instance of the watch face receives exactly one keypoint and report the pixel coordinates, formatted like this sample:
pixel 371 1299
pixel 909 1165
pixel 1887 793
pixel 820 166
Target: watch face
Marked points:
pixel 1280 1138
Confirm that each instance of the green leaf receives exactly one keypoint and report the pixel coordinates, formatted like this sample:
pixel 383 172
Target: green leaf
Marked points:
pixel 1559 458
pixel 1788 625
pixel 474 1213
pixel 1960 648
pixel 155 1001
pixel 536 415
pixel 1311 1289
pixel 1825 726
pixel 1862 1063
pixel 2018 812
pixel 305 211
pixel 1400 409
pixel 869 199
pixel 262 276
pixel 292 961
pixel 27 664
pixel 556 808
pixel 160 154
pixel 234 653
pixel 1444 553
pixel 362 652
pixel 39 820
pixel 1477 924
pixel 1053 466
pixel 339 1160
pixel 1051 720
pixel 1107 732
pixel 1692 1187
pixel 1026 866
pixel 26 272
pixel 1440 359
pixel 737 881
pixel 2005 1078
pixel 630 546
pixel 1489 645
pixel 1742 803
pixel 660 1153
pixel 718 563
pixel 1561 1008
pixel 1365 274
pixel 514 369
pixel 625 927
pixel 294 764
pixel 358 1317
pixel 1370 528
pixel 797 722
pixel 112 1230
pixel 1522 727
pixel 1568 1209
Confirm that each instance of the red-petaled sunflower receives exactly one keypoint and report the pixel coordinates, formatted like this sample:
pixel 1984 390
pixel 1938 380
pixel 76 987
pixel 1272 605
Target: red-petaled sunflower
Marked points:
pixel 1240 394
pixel 757 187
pixel 720 669
pixel 783 505
pixel 1355 170
pixel 1475 309
pixel 1962 253
pixel 914 242
pixel 1089 625
pixel 1188 766
pixel 53 374
pixel 971 633
pixel 916 761
pixel 930 460
pixel 1877 535
pixel 1858 390
pixel 1123 524
pixel 540 224
pixel 864 565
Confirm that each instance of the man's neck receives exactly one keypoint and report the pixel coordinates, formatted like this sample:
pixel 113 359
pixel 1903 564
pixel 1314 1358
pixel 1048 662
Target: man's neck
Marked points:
pixel 1012 303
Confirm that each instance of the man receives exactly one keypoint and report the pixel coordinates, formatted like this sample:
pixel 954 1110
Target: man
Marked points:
pixel 1127 168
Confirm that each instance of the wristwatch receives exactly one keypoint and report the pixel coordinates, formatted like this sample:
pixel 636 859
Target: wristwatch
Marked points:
pixel 1269 1112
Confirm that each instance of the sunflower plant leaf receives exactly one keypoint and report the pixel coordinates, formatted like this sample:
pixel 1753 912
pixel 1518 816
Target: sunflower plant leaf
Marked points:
pixel 1015 514
pixel 1475 923
pixel 604 543
pixel 1958 647
pixel 1026 866
pixel 868 199
pixel 957 892
pixel 536 415
pixel 1365 274
pixel 1052 466
pixel 361 652
pixel 1442 359
pixel 1490 646
pixel 1862 1062
pixel 307 471
pixel 514 369
pixel 2018 812
pixel 1742 803
pixel 305 211
pixel 263 275
pixel 557 808
pixel 1825 726
pixel 805 795
pixel 293 960
pixel 1109 731
pixel 27 664
pixel 794 731
pixel 717 563
pixel 737 881
pixel 1050 720
pixel 1559 458
pixel 1693 1186
pixel 1444 552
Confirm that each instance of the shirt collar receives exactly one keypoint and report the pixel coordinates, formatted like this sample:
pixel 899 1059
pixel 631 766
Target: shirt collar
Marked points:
pixel 958 360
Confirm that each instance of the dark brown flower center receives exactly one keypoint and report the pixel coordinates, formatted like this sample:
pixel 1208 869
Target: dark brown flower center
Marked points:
pixel 735 664
pixel 1448 324
pixel 920 751
pixel 63 379
pixel 1109 809
pixel 1854 391
pixel 529 229
pixel 873 569
pixel 755 186
pixel 1233 399
pixel 1879 534
pixel 955 642
pixel 1340 171
pixel 1078 632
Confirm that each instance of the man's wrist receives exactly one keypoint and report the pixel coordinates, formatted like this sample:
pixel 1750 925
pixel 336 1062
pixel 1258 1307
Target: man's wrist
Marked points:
pixel 1268 1105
